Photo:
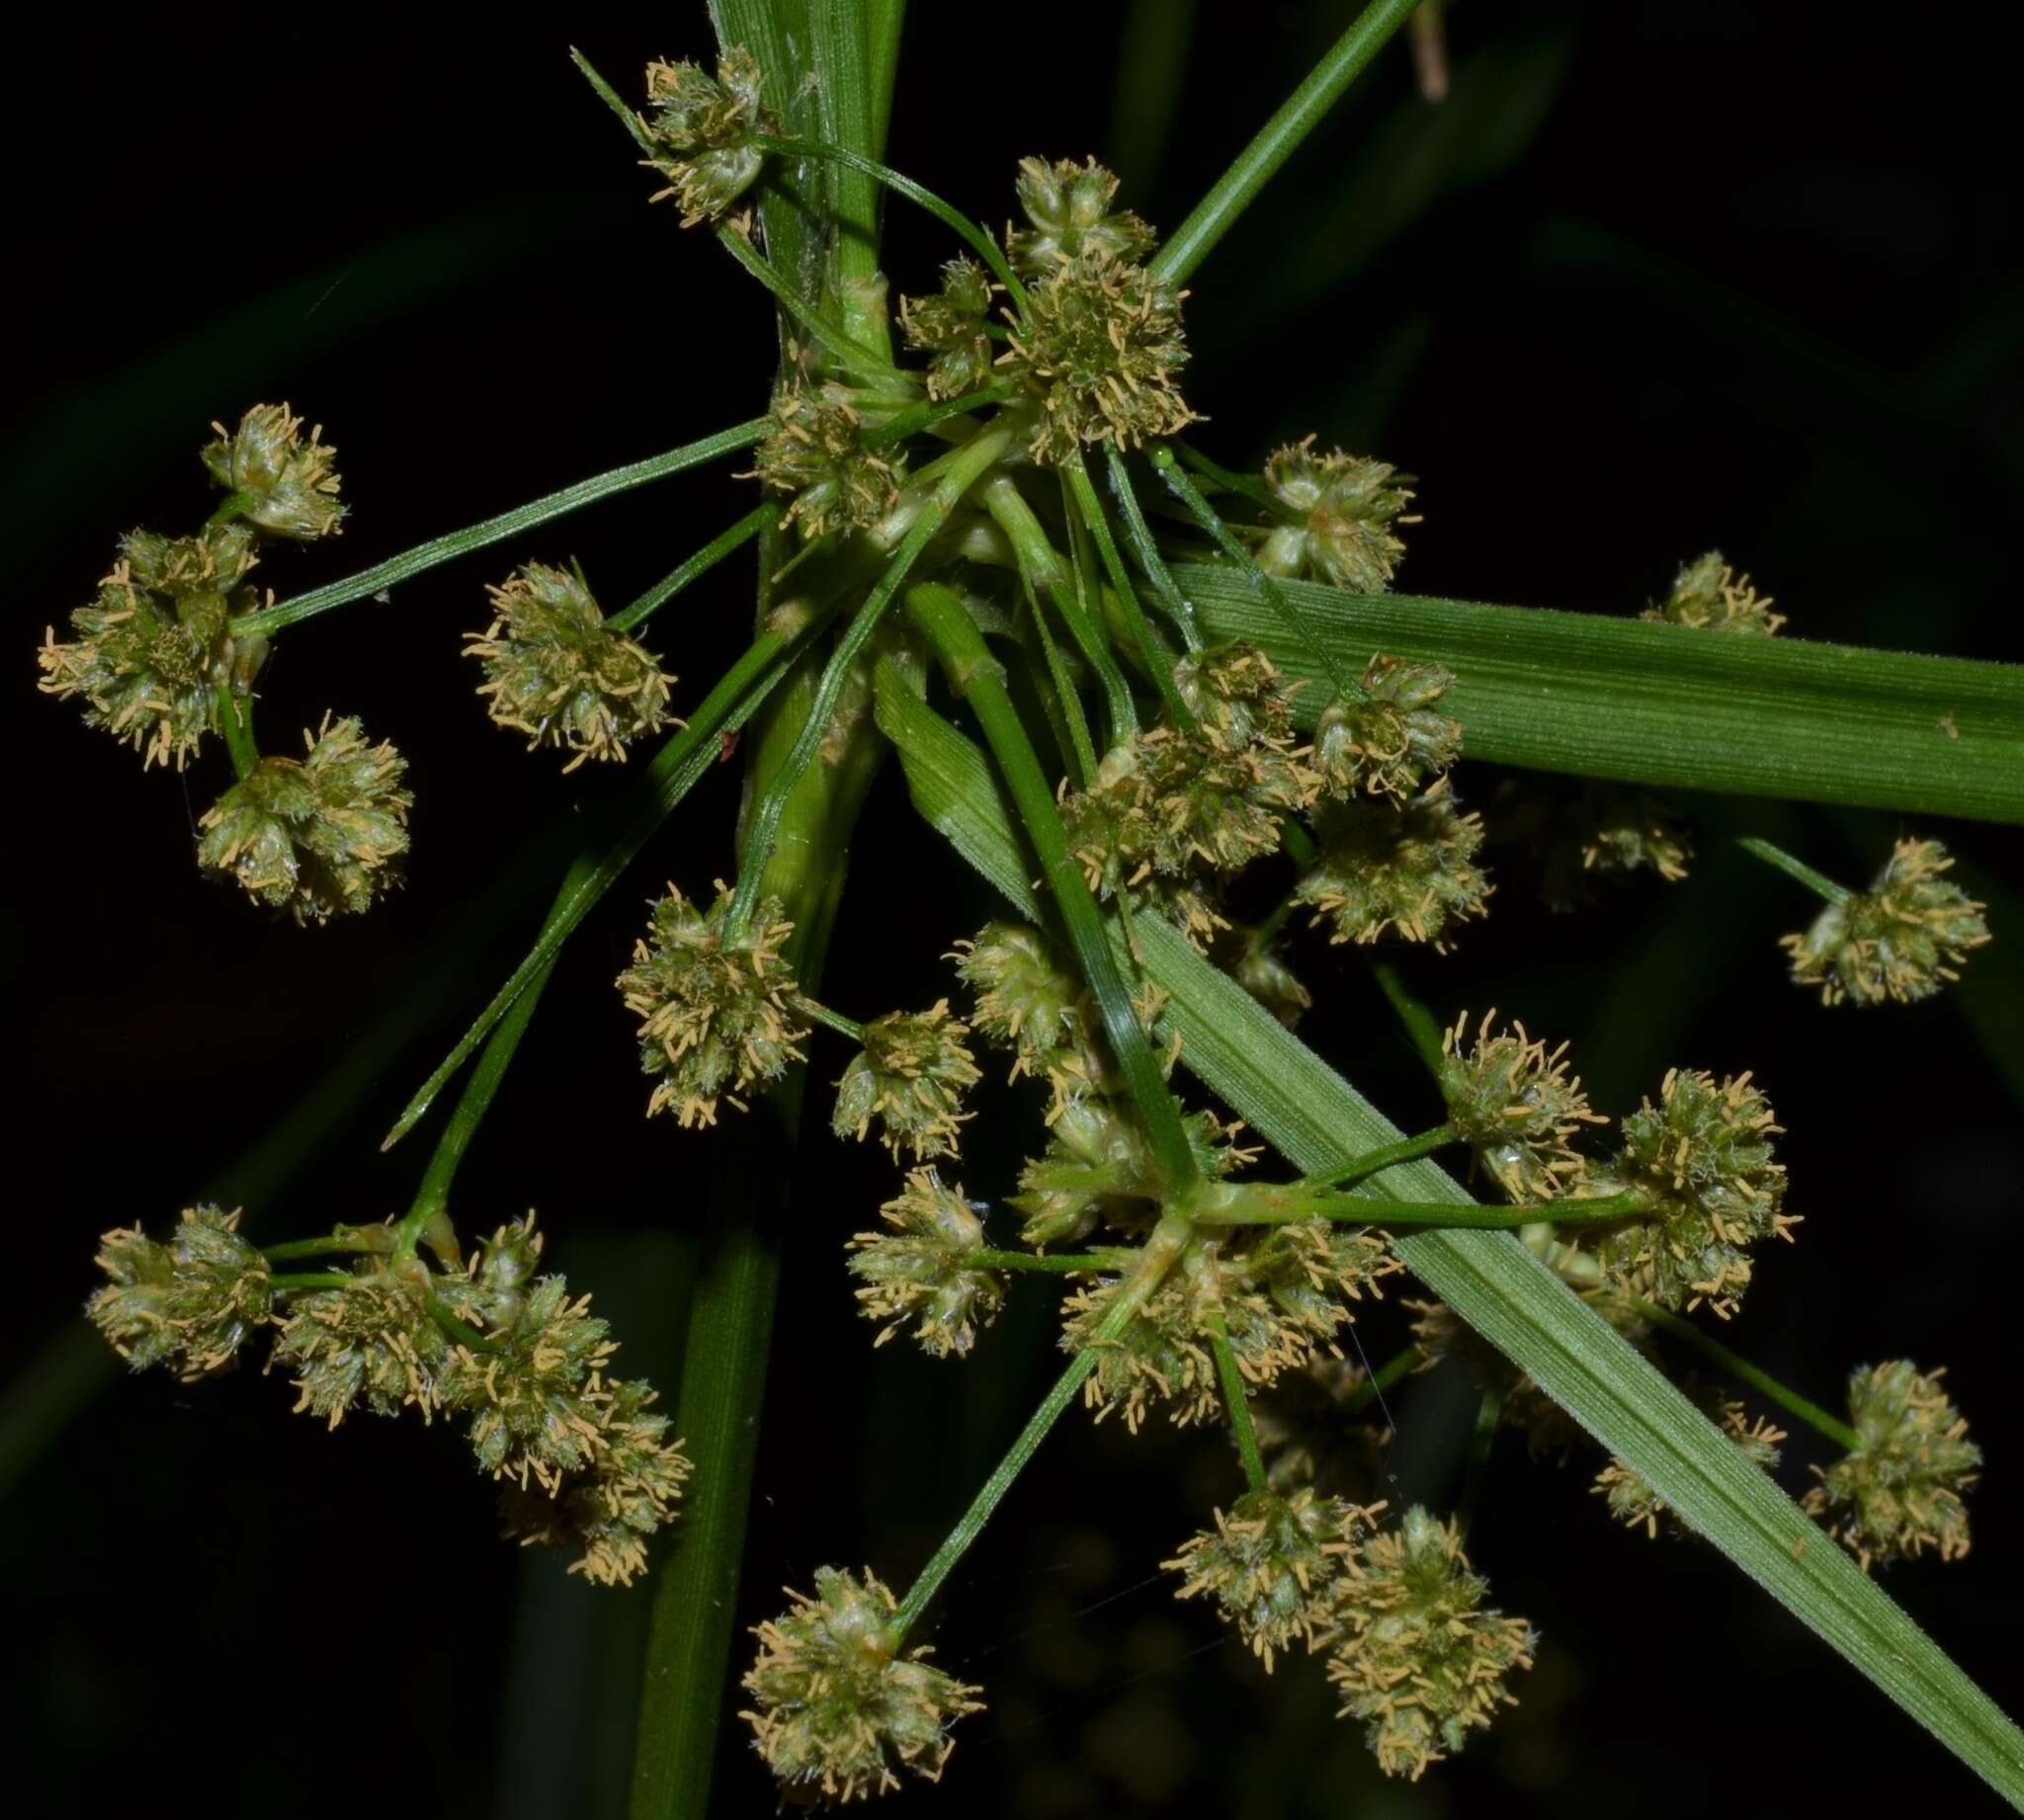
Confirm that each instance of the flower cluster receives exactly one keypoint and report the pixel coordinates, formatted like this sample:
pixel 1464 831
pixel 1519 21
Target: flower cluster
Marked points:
pixel 1416 1655
pixel 1271 1564
pixel 1408 868
pixel 815 452
pixel 951 326
pixel 318 837
pixel 702 130
pixel 1709 595
pixel 1627 831
pixel 1069 206
pixel 923 1267
pixel 1901 940
pixel 1633 1502
pixel 190 1304
pixel 1338 519
pixel 910 1076
pixel 1898 1492
pixel 836 1708
pixel 1516 1108
pixel 277 483
pixel 1703 1160
pixel 1389 740
pixel 714 1004
pixel 558 672
pixel 1025 1001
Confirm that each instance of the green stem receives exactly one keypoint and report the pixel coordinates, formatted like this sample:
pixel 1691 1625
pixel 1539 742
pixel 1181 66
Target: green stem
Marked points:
pixel 1178 608
pixel 1477 1466
pixel 1057 1263
pixel 1236 1399
pixel 818 1012
pixel 1294 1204
pixel 1400 1365
pixel 937 415
pixel 1246 487
pixel 1373 1162
pixel 239 733
pixel 850 354
pixel 725 543
pixel 1257 163
pixel 290 1284
pixel 228 508
pixel 336 1242
pixel 1158 662
pixel 1743 1372
pixel 1161 1252
pixel 1040 564
pixel 975 675
pixel 1068 702
pixel 1818 884
pixel 1269 591
pixel 969 463
pixel 1427 1035
pixel 437 551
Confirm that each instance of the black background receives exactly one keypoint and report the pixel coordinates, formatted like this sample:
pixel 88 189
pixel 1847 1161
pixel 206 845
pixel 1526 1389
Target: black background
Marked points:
pixel 1655 277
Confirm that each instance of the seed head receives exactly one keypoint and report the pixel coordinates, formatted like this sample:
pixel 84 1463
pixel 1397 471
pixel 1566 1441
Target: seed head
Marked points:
pixel 1703 1159
pixel 951 326
pixel 816 452
pixel 320 838
pixel 1632 1501
pixel 713 1009
pixel 190 1304
pixel 555 672
pixel 1102 354
pixel 836 1709
pixel 1517 1107
pixel 1392 742
pixel 1408 868
pixel 703 129
pixel 1903 939
pixel 1271 1564
pixel 1069 208
pixel 1416 1655
pixel 1899 1492
pixel 1344 507
pixel 1024 999
pixel 1710 596
pixel 287 487
pixel 911 1076
pixel 371 1342
pixel 157 647
pixel 921 1269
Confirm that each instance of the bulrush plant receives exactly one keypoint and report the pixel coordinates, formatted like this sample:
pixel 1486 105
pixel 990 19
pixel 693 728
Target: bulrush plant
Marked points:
pixel 1116 675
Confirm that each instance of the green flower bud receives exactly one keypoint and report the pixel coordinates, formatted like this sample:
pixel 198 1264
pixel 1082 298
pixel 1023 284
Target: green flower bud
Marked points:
pixel 836 1709
pixel 921 1270
pixel 1069 206
pixel 815 452
pixel 287 487
pixel 371 1342
pixel 1517 1107
pixel 715 1012
pixel 1703 1159
pixel 190 1304
pixel 951 326
pixel 1271 1564
pixel 555 672
pixel 1903 939
pixel 1632 1501
pixel 1392 742
pixel 1416 1655
pixel 1408 868
pixel 1101 353
pixel 703 132
pixel 1899 1492
pixel 316 839
pixel 492 1289
pixel 1709 595
pixel 911 1076
pixel 1343 509
pixel 157 648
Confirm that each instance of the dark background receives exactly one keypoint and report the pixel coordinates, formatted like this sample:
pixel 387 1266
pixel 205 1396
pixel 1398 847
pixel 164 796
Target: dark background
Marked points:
pixel 1655 277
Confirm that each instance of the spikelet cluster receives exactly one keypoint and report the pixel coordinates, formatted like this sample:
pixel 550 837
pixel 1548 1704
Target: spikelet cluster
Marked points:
pixel 1899 1492
pixel 1068 206
pixel 1024 1000
pixel 1416 1655
pixel 837 1710
pixel 922 1267
pixel 1703 1159
pixel 1517 1107
pixel 318 837
pixel 278 483
pixel 1710 596
pixel 1341 516
pixel 1622 832
pixel 1407 868
pixel 909 1077
pixel 1269 1564
pixel 715 1010
pixel 189 1305
pixel 1392 740
pixel 1902 940
pixel 155 648
pixel 815 451
pixel 950 325
pixel 702 130
pixel 1633 1502
pixel 555 672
